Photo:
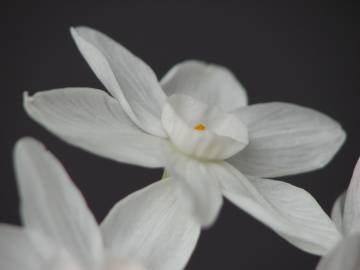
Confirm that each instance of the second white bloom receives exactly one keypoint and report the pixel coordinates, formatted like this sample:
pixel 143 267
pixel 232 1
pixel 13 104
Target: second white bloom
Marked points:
pixel 346 215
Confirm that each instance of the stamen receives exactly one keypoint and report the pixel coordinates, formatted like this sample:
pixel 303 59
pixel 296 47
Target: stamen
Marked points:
pixel 200 127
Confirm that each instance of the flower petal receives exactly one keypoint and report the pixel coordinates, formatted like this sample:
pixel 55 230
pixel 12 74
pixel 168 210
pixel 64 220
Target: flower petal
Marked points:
pixel 198 190
pixel 124 266
pixel 94 121
pixel 126 76
pixel 18 250
pixel 352 203
pixel 21 248
pixel 52 205
pixel 337 213
pixel 290 211
pixel 212 84
pixel 346 256
pixel 151 227
pixel 286 139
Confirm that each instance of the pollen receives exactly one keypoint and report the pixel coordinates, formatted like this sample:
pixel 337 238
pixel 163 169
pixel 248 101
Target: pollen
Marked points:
pixel 200 127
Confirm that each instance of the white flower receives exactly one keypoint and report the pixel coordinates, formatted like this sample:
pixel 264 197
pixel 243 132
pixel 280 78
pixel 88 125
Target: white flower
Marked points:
pixel 196 124
pixel 346 255
pixel 346 215
pixel 146 230
pixel 346 210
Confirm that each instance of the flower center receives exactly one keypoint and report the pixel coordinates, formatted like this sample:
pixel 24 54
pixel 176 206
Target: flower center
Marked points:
pixel 201 131
pixel 200 127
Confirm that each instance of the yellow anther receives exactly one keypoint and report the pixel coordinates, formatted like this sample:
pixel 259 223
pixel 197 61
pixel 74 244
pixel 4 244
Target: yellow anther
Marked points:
pixel 200 127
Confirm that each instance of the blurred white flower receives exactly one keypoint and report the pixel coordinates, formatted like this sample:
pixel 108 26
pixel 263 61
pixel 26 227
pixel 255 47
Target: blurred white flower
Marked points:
pixel 346 210
pixel 147 229
pixel 345 256
pixel 196 123
pixel 346 215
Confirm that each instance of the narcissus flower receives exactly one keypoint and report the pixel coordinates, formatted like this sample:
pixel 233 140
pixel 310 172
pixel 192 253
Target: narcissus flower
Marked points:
pixel 146 230
pixel 196 124
pixel 346 210
pixel 346 215
pixel 345 256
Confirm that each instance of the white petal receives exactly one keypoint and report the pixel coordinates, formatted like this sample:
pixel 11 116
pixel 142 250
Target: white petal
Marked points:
pixel 52 205
pixel 24 249
pixel 124 266
pixel 352 203
pixel 224 134
pixel 337 213
pixel 290 211
pixel 212 84
pixel 94 121
pixel 18 251
pixel 198 189
pixel 151 227
pixel 346 256
pixel 286 139
pixel 126 76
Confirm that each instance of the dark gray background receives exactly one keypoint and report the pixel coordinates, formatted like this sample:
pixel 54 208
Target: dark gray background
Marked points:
pixel 305 53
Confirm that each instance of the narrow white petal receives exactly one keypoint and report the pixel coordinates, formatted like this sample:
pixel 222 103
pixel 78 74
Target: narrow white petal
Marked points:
pixel 212 84
pixel 21 248
pixel 337 212
pixel 52 205
pixel 352 203
pixel 126 76
pixel 18 251
pixel 346 256
pixel 286 139
pixel 94 121
pixel 151 227
pixel 198 189
pixel 124 266
pixel 290 211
